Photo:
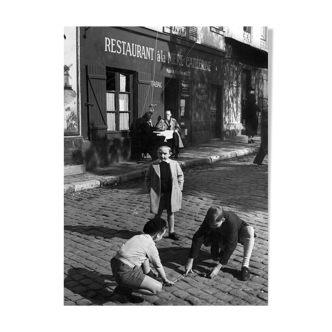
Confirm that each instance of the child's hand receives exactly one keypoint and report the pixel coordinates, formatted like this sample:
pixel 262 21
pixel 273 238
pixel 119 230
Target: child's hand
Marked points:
pixel 215 271
pixel 168 282
pixel 189 266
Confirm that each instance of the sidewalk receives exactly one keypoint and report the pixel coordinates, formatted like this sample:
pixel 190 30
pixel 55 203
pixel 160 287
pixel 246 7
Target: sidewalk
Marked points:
pixel 206 153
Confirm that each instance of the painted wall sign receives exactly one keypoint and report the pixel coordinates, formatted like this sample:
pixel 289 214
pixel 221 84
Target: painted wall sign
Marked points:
pixel 178 72
pixel 156 84
pixel 148 53
pixel 184 89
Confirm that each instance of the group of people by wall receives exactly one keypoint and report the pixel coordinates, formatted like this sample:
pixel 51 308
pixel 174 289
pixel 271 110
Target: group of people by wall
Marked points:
pixel 148 139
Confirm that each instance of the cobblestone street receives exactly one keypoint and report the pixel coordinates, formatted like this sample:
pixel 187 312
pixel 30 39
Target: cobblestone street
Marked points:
pixel 97 221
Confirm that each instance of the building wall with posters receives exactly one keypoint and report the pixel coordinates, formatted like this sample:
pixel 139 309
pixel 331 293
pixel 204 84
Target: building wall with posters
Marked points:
pixel 123 70
pixel 245 67
pixel 113 74
pixel 73 141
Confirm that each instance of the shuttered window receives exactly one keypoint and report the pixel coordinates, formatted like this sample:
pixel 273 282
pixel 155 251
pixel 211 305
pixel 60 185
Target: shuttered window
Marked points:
pixel 96 102
pixel 119 99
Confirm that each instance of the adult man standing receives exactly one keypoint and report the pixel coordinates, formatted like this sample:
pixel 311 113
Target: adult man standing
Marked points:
pixel 171 124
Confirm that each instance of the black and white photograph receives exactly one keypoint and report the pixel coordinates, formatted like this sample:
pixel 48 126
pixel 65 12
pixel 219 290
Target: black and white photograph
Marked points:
pixel 166 165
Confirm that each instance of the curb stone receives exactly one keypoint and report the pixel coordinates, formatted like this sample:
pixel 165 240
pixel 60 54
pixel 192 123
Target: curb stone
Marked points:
pixel 114 180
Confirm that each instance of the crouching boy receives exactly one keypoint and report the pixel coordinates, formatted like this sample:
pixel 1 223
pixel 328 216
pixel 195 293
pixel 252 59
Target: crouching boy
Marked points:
pixel 223 230
pixel 131 264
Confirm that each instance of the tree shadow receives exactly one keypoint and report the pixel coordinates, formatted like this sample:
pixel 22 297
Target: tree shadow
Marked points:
pixel 90 285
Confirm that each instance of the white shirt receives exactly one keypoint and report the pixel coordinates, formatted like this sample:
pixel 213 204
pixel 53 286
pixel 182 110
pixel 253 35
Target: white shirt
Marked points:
pixel 136 250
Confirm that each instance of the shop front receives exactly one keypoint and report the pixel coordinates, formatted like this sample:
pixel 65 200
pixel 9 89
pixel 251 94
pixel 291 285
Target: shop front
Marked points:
pixel 123 71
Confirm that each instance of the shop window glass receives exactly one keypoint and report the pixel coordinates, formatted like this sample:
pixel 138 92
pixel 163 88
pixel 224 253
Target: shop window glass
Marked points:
pixel 118 99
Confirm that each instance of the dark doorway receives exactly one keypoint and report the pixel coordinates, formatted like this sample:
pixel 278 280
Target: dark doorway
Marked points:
pixel 171 101
pixel 215 111
pixel 246 84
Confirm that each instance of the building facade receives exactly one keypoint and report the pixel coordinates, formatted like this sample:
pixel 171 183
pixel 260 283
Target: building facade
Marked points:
pixel 122 71
pixel 245 68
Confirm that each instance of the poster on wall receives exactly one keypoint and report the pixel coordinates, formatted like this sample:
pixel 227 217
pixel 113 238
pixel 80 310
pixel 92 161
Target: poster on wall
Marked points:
pixel 70 82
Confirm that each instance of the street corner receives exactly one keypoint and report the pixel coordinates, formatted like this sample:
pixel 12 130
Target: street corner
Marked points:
pixel 69 188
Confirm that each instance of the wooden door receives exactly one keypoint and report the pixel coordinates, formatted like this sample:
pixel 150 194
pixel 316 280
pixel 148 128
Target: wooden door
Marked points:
pixel 171 101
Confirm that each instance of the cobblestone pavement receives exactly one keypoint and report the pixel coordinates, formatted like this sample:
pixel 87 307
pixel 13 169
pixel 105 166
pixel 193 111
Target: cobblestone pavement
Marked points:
pixel 99 220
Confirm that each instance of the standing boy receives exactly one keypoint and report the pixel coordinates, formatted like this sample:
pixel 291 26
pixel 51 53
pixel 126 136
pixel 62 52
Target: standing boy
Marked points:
pixel 164 182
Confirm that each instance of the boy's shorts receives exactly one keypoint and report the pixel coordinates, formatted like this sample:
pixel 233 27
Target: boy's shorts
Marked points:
pixel 125 275
pixel 165 203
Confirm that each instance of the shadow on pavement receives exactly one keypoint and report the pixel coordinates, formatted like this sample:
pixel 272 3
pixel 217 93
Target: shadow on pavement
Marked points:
pixel 93 286
pixel 90 285
pixel 175 258
pixel 105 232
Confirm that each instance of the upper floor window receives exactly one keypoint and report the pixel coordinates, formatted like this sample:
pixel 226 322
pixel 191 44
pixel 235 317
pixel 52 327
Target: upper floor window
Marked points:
pixel 264 33
pixel 183 31
pixel 218 30
pixel 247 29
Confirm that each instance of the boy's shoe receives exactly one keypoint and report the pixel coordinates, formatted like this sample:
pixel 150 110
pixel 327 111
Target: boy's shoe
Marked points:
pixel 123 292
pixel 174 236
pixel 245 273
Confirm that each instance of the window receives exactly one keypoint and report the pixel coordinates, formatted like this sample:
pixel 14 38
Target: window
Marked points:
pixel 247 29
pixel 184 32
pixel 218 30
pixel 264 33
pixel 119 94
pixel 178 31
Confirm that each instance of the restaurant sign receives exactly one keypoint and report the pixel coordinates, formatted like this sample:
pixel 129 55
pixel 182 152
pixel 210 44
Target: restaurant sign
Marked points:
pixel 148 53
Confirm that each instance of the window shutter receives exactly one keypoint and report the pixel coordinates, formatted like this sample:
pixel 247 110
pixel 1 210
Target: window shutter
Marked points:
pixel 96 104
pixel 193 33
pixel 144 93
